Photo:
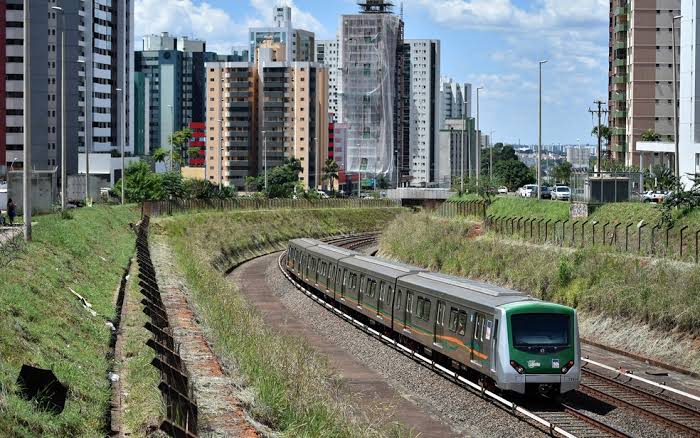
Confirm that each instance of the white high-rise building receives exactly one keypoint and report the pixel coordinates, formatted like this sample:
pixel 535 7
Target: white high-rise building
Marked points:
pixel 328 54
pixel 298 44
pixel 453 98
pixel 423 75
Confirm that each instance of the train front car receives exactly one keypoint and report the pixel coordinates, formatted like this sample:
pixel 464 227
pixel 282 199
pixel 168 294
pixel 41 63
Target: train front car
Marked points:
pixel 539 349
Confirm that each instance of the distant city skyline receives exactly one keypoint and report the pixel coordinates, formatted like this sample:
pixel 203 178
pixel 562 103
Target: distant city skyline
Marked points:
pixel 494 44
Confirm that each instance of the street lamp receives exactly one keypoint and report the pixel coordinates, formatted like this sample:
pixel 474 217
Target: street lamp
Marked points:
pixel 478 139
pixel 491 155
pixel 172 132
pixel 675 95
pixel 221 154
pixel 121 137
pixel 539 136
pixel 88 126
pixel 63 105
pixel 264 133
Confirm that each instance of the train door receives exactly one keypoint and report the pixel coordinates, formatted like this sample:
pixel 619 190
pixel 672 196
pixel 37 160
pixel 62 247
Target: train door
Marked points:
pixel 381 300
pixel 331 279
pixel 343 284
pixel 478 339
pixel 492 337
pixel 361 291
pixel 439 332
pixel 408 313
pixel 396 308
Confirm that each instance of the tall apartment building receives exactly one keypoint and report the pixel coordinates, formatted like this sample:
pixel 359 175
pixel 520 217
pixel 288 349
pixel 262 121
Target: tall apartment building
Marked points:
pixel 99 36
pixel 453 98
pixel 263 113
pixel 171 92
pixel 372 103
pixel 422 101
pixel 457 151
pixel 640 89
pixel 299 45
pixel 328 54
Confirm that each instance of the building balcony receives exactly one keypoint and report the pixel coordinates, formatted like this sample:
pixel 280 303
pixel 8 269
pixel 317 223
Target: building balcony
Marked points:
pixel 620 62
pixel 619 97
pixel 618 131
pixel 621 27
pixel 620 11
pixel 619 114
pixel 620 45
pixel 620 79
pixel 619 147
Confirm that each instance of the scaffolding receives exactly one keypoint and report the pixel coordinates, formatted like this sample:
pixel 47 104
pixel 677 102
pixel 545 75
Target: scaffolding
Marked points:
pixel 371 49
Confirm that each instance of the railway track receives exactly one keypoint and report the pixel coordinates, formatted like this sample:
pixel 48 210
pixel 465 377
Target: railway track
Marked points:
pixel 662 410
pixel 563 420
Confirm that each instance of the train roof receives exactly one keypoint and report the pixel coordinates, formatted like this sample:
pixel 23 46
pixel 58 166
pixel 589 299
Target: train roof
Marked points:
pixel 306 242
pixel 381 265
pixel 464 289
pixel 331 251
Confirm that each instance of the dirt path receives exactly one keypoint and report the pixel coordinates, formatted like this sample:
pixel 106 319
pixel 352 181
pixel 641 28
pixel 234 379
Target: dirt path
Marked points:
pixel 221 412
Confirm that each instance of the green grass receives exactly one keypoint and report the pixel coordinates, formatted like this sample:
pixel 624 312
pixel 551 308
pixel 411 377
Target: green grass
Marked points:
pixel 43 324
pixel 296 393
pixel 466 197
pixel 511 206
pixel 143 405
pixel 661 293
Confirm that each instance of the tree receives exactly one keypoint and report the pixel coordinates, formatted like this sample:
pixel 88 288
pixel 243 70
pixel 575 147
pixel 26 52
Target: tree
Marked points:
pixel 660 178
pixel 382 182
pixel 160 155
pixel 605 133
pixel 650 135
pixel 513 173
pixel 501 152
pixel 562 173
pixel 330 172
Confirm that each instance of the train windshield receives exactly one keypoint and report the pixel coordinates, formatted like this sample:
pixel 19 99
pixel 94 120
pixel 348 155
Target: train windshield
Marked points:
pixel 540 330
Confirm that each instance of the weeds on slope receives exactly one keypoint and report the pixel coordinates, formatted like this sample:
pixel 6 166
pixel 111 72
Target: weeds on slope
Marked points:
pixel 296 392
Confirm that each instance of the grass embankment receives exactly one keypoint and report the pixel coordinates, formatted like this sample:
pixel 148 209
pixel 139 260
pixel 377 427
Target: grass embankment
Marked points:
pixel 663 294
pixel 43 324
pixel 143 407
pixel 533 208
pixel 296 392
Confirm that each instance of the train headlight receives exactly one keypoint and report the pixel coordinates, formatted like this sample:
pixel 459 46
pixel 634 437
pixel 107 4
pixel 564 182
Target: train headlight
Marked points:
pixel 567 367
pixel 519 368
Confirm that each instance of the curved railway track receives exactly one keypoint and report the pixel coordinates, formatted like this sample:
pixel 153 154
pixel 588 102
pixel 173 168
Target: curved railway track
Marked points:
pixel 561 420
pixel 662 410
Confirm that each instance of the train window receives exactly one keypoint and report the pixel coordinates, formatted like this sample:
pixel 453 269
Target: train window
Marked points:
pixel 398 301
pixel 488 330
pixel 462 323
pixel 426 309
pixel 409 302
pixel 382 291
pixel 419 307
pixel 372 288
pixel 478 326
pixel 454 317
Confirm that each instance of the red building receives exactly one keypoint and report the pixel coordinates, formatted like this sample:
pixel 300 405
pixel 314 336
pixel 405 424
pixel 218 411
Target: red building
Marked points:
pixel 198 140
pixel 3 26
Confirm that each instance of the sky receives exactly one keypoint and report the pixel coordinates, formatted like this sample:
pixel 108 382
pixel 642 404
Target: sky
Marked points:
pixel 496 44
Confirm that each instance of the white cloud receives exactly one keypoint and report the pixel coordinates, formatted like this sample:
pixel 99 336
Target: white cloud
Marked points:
pixel 199 19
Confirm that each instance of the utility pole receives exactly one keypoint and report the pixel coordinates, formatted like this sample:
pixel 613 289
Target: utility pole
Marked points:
pixel 491 155
pixel 63 105
pixel 675 97
pixel 539 138
pixel 600 111
pixel 27 168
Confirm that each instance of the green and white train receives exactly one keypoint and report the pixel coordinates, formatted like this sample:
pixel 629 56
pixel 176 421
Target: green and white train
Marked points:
pixel 503 337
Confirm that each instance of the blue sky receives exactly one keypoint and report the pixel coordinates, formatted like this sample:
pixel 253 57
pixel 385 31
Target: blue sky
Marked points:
pixel 494 43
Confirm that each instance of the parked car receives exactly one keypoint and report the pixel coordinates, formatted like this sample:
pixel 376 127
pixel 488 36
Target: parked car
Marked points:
pixel 546 193
pixel 503 190
pixel 322 194
pixel 657 196
pixel 528 191
pixel 561 193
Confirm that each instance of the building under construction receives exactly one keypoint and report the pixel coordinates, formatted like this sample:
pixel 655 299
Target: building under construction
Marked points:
pixel 372 100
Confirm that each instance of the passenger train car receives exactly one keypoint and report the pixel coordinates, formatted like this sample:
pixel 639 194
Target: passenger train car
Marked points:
pixel 506 338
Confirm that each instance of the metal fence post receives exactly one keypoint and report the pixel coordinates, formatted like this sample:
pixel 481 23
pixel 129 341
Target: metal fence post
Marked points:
pixel 546 229
pixel 563 231
pixel 627 233
pixel 681 242
pixel 639 237
pixel 653 239
pixel 617 225
pixel 605 233
pixel 697 238
pixel 583 233
pixel 573 233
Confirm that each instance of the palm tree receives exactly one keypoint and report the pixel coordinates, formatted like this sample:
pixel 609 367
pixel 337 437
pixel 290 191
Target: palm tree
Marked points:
pixel 650 135
pixel 605 133
pixel 330 172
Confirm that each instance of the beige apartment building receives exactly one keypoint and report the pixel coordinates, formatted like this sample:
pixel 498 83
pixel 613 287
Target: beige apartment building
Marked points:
pixel 260 114
pixel 640 87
